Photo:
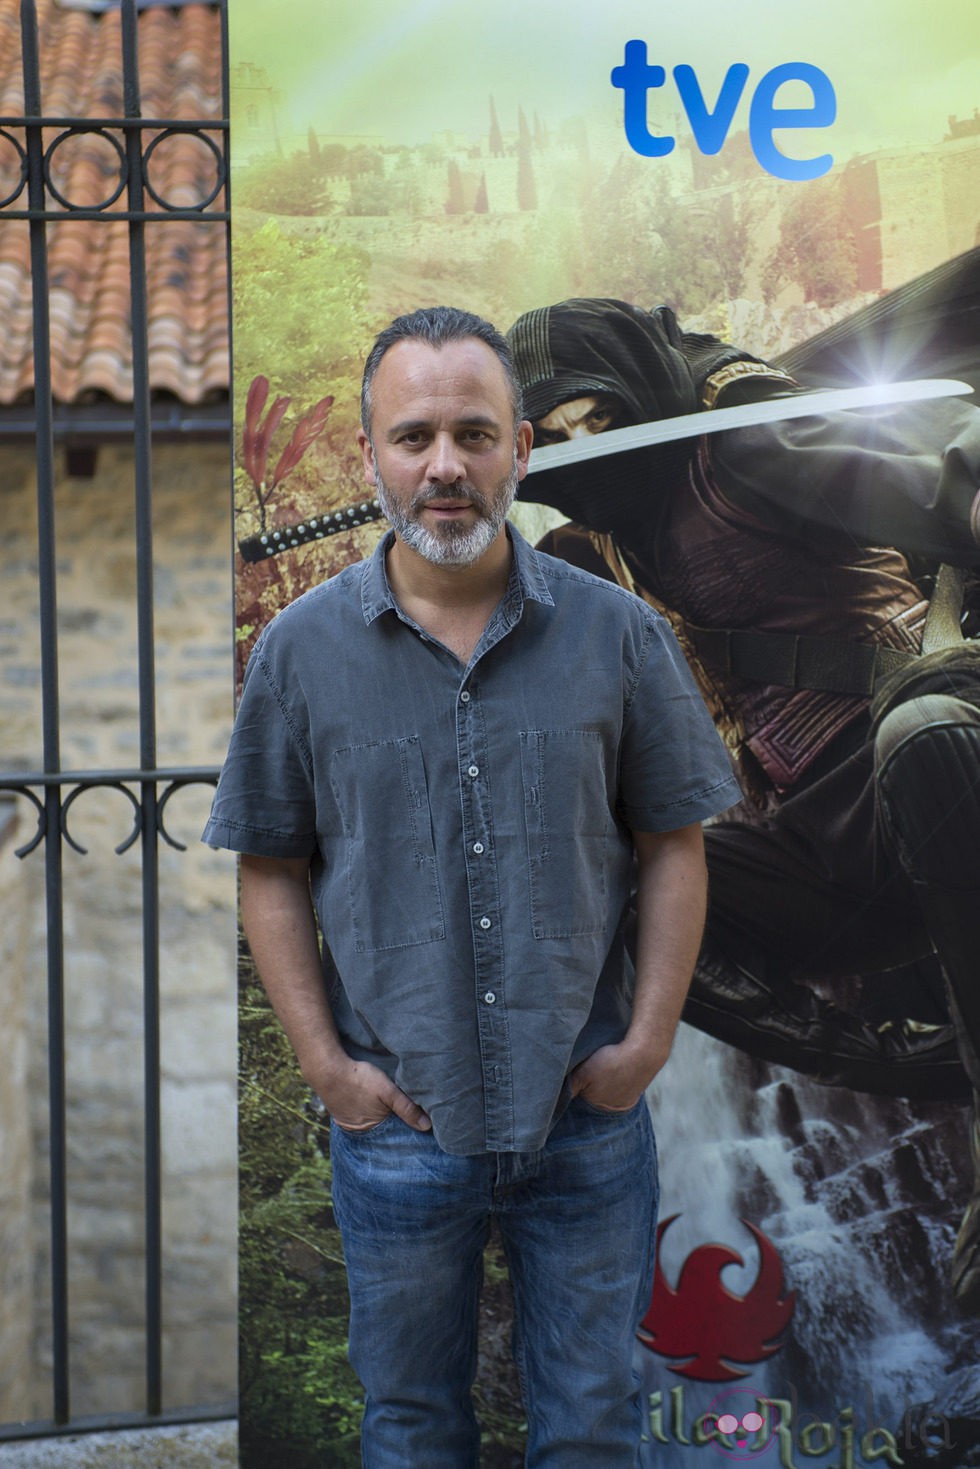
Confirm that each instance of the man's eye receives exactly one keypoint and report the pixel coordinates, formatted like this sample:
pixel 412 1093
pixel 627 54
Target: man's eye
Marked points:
pixel 601 419
pixel 545 437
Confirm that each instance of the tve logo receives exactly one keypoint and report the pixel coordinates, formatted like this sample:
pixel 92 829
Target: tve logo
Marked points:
pixel 710 126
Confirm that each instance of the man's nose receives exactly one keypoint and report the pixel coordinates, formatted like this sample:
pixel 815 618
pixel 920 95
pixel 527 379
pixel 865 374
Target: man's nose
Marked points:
pixel 445 461
pixel 581 431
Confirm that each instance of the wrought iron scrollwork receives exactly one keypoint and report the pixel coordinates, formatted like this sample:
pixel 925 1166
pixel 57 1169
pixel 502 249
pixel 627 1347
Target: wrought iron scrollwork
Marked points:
pixel 21 152
pixel 132 784
pixel 205 778
pixel 106 785
pixel 112 133
pixel 200 136
pixel 20 789
pixel 50 164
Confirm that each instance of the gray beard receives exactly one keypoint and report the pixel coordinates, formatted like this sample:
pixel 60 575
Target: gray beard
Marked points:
pixel 450 545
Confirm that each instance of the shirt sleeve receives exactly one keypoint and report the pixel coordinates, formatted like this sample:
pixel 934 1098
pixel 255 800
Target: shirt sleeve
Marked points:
pixel 674 768
pixel 265 805
pixel 907 477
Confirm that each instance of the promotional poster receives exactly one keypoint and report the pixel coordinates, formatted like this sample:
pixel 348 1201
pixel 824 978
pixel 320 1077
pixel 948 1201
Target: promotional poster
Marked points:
pixel 780 199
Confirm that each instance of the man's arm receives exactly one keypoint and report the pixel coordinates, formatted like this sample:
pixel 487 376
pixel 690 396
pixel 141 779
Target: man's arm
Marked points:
pixel 671 901
pixel 277 916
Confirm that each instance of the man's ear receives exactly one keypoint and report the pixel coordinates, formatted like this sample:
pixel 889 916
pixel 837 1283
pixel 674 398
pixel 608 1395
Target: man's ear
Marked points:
pixel 367 455
pixel 525 438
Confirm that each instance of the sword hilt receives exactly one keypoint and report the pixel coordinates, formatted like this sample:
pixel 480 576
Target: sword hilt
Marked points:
pixel 313 528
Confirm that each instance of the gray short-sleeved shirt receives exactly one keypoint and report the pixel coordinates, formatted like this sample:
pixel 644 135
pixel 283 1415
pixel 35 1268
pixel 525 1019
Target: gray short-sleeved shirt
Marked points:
pixel 469 828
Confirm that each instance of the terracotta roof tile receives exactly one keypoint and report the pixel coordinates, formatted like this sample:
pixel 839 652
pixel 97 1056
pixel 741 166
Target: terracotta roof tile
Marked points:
pixel 88 261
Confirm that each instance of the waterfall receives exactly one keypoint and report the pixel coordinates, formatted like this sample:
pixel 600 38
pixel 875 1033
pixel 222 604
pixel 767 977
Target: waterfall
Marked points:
pixel 861 1197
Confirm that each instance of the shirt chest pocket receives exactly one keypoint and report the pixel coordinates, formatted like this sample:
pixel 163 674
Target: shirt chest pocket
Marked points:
pixel 392 883
pixel 571 833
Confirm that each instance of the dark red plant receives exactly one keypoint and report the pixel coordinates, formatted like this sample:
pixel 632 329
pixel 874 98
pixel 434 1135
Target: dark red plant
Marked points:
pixel 257 439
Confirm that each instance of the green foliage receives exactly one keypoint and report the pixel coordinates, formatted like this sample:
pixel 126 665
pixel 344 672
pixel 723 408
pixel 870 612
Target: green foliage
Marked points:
pixel 816 246
pixel 287 186
pixel 300 1400
pixel 300 186
pixel 373 194
pixel 665 248
pixel 300 317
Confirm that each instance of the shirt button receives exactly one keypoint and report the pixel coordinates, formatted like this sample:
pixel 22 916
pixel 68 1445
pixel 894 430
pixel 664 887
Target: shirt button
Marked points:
pixel 489 998
pixel 485 923
pixel 478 848
pixel 464 697
pixel 473 770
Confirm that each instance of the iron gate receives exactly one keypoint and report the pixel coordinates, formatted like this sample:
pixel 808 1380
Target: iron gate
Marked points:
pixel 52 790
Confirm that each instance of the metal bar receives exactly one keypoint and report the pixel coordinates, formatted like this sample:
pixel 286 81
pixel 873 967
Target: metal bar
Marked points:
pixel 187 774
pixel 44 1428
pixel 95 423
pixel 139 124
pixel 226 145
pixel 152 1160
pixel 141 216
pixel 47 574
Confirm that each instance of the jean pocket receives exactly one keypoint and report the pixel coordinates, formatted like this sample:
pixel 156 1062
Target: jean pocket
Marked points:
pixel 581 1100
pixel 570 829
pixel 392 883
pixel 372 1131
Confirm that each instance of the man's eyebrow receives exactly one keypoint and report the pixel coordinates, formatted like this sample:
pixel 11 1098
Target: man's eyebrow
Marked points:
pixel 469 420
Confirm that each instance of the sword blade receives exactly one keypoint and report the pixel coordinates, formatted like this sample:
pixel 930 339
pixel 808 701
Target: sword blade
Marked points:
pixel 746 415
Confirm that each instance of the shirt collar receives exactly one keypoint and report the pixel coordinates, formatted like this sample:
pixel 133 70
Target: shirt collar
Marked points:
pixel 527 580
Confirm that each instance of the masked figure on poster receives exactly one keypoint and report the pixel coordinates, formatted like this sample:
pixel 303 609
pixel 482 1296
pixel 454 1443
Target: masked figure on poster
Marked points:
pixel 819 573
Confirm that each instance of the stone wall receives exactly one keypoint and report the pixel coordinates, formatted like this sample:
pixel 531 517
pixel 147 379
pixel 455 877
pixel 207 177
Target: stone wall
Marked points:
pixel 103 937
pixel 929 207
pixel 17 1172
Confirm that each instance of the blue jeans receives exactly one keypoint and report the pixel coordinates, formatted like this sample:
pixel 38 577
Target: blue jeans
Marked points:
pixel 577 1220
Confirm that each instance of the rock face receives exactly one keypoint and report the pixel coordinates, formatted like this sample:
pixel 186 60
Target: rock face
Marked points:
pixel 949 1426
pixel 861 1197
pixel 99 727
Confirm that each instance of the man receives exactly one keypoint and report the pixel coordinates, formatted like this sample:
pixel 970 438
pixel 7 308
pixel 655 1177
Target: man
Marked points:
pixel 460 744
pixel 782 554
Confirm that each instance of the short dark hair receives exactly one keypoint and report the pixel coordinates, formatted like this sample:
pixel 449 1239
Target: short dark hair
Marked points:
pixel 436 326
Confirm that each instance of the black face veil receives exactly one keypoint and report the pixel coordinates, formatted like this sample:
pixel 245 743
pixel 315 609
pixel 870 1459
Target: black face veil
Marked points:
pixel 584 347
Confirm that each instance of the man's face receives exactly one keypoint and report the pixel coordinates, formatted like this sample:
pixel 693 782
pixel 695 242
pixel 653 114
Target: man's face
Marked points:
pixel 579 416
pixel 442 452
